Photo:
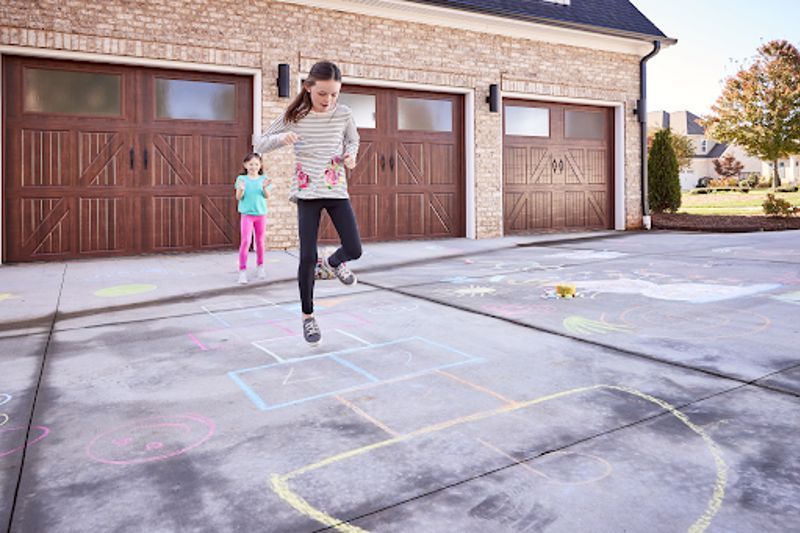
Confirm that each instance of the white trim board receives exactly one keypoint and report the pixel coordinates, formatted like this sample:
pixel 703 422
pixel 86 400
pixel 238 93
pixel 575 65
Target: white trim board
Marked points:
pixel 469 136
pixel 122 60
pixel 619 143
pixel 483 23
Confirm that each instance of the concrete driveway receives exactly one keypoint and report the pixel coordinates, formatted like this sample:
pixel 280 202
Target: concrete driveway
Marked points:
pixel 451 392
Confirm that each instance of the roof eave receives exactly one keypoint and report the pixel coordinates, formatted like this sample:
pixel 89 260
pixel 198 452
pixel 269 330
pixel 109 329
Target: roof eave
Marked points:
pixel 665 41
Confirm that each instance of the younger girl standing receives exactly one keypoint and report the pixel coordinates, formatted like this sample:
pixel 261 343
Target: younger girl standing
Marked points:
pixel 325 141
pixel 252 191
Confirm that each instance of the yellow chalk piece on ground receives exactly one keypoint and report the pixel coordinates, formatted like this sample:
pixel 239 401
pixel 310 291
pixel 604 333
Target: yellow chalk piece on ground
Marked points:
pixel 6 296
pixel 125 290
pixel 565 290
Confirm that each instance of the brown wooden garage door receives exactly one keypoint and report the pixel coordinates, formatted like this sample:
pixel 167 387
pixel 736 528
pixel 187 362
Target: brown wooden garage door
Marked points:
pixel 557 167
pixel 110 160
pixel 409 182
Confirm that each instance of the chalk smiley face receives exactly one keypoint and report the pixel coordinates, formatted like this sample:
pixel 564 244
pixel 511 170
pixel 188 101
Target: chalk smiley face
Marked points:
pixel 151 439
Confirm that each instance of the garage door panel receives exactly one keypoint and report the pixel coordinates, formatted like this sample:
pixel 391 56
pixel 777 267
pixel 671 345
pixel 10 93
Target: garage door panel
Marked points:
pixel 217 225
pixel 596 211
pixel 219 155
pixel 597 167
pixel 516 212
pixel 43 156
pixel 541 209
pixel 442 212
pixel 444 165
pixel 366 205
pixel 574 209
pixel 544 166
pixel 170 222
pixel 410 161
pixel 410 209
pixel 103 224
pixel 366 172
pixel 43 226
pixel 171 160
pixel 101 158
pixel 515 165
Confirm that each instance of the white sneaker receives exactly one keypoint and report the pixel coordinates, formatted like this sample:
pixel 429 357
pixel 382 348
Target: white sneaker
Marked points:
pixel 243 277
pixel 261 273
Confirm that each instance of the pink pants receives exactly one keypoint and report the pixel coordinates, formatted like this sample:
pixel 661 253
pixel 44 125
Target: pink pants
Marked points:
pixel 248 223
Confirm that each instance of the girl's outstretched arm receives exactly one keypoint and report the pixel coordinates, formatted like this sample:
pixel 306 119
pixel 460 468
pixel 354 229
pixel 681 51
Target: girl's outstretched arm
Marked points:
pixel 275 136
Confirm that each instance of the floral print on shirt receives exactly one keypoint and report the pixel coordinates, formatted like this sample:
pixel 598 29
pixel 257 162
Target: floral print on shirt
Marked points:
pixel 302 177
pixel 332 172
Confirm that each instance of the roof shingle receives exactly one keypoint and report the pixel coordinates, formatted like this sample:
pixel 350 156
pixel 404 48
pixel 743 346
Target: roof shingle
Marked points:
pixel 608 16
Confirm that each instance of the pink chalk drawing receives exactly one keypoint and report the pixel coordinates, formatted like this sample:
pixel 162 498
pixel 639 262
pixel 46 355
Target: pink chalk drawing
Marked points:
pixel 37 434
pixel 518 310
pixel 151 439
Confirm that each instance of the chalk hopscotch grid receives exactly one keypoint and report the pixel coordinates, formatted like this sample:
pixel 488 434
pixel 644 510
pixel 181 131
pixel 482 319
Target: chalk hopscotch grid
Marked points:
pixel 340 358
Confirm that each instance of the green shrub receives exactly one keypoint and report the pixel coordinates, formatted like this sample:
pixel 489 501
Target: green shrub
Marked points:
pixel 778 207
pixel 664 185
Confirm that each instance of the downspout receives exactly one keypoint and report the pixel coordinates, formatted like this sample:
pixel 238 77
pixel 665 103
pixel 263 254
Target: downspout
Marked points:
pixel 641 112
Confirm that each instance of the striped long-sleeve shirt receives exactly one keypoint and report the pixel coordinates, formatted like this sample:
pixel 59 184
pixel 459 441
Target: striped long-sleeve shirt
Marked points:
pixel 325 139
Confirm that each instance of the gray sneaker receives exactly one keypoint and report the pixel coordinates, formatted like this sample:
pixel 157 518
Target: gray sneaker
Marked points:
pixel 311 331
pixel 341 272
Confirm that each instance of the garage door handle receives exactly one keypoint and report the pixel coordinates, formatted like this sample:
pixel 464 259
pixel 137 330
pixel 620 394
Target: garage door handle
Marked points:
pixel 561 165
pixel 133 157
pixel 391 163
pixel 145 159
pixel 383 162
pixel 555 166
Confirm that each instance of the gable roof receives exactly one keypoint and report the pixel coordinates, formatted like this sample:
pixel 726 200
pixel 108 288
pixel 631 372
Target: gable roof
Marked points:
pixel 685 123
pixel 615 17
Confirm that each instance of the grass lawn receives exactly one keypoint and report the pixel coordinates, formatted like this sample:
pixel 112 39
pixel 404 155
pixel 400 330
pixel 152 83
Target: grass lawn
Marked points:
pixel 731 203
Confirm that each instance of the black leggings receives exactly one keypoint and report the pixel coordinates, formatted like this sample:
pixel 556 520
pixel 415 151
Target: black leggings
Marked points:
pixel 344 220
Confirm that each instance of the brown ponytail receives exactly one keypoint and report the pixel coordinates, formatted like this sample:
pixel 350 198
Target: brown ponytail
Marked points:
pixel 301 105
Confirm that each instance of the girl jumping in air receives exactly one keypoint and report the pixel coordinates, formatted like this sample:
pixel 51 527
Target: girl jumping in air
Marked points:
pixel 252 192
pixel 325 141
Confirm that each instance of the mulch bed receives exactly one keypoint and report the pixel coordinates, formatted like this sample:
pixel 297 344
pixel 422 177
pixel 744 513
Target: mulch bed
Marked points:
pixel 722 223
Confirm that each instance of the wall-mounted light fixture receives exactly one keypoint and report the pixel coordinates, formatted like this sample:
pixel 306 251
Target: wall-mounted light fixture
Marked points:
pixel 283 80
pixel 494 98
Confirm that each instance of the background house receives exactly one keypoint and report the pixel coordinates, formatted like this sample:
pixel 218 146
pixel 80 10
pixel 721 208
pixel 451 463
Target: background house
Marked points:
pixel 707 149
pixel 125 122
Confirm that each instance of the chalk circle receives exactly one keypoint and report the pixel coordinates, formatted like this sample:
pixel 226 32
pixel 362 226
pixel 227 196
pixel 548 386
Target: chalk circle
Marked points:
pixel 125 290
pixel 692 323
pixel 37 434
pixel 5 398
pixel 151 439
pixel 572 468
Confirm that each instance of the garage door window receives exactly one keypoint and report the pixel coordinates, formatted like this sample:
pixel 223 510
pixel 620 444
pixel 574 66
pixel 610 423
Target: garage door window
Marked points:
pixel 71 92
pixel 584 124
pixel 362 106
pixel 527 121
pixel 422 114
pixel 195 100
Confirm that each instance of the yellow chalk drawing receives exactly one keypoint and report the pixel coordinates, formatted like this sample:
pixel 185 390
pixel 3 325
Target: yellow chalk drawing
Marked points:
pixel 7 296
pixel 584 326
pixel 280 483
pixel 125 290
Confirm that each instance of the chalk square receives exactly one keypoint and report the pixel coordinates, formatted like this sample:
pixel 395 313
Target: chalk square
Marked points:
pixel 294 346
pixel 221 338
pixel 283 384
pixel 409 405
pixel 405 357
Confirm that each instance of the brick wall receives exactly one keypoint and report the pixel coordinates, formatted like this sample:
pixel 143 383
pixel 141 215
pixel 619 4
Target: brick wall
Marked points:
pixel 262 33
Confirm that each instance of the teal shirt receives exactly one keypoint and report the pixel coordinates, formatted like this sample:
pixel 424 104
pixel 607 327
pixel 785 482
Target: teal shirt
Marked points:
pixel 253 201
